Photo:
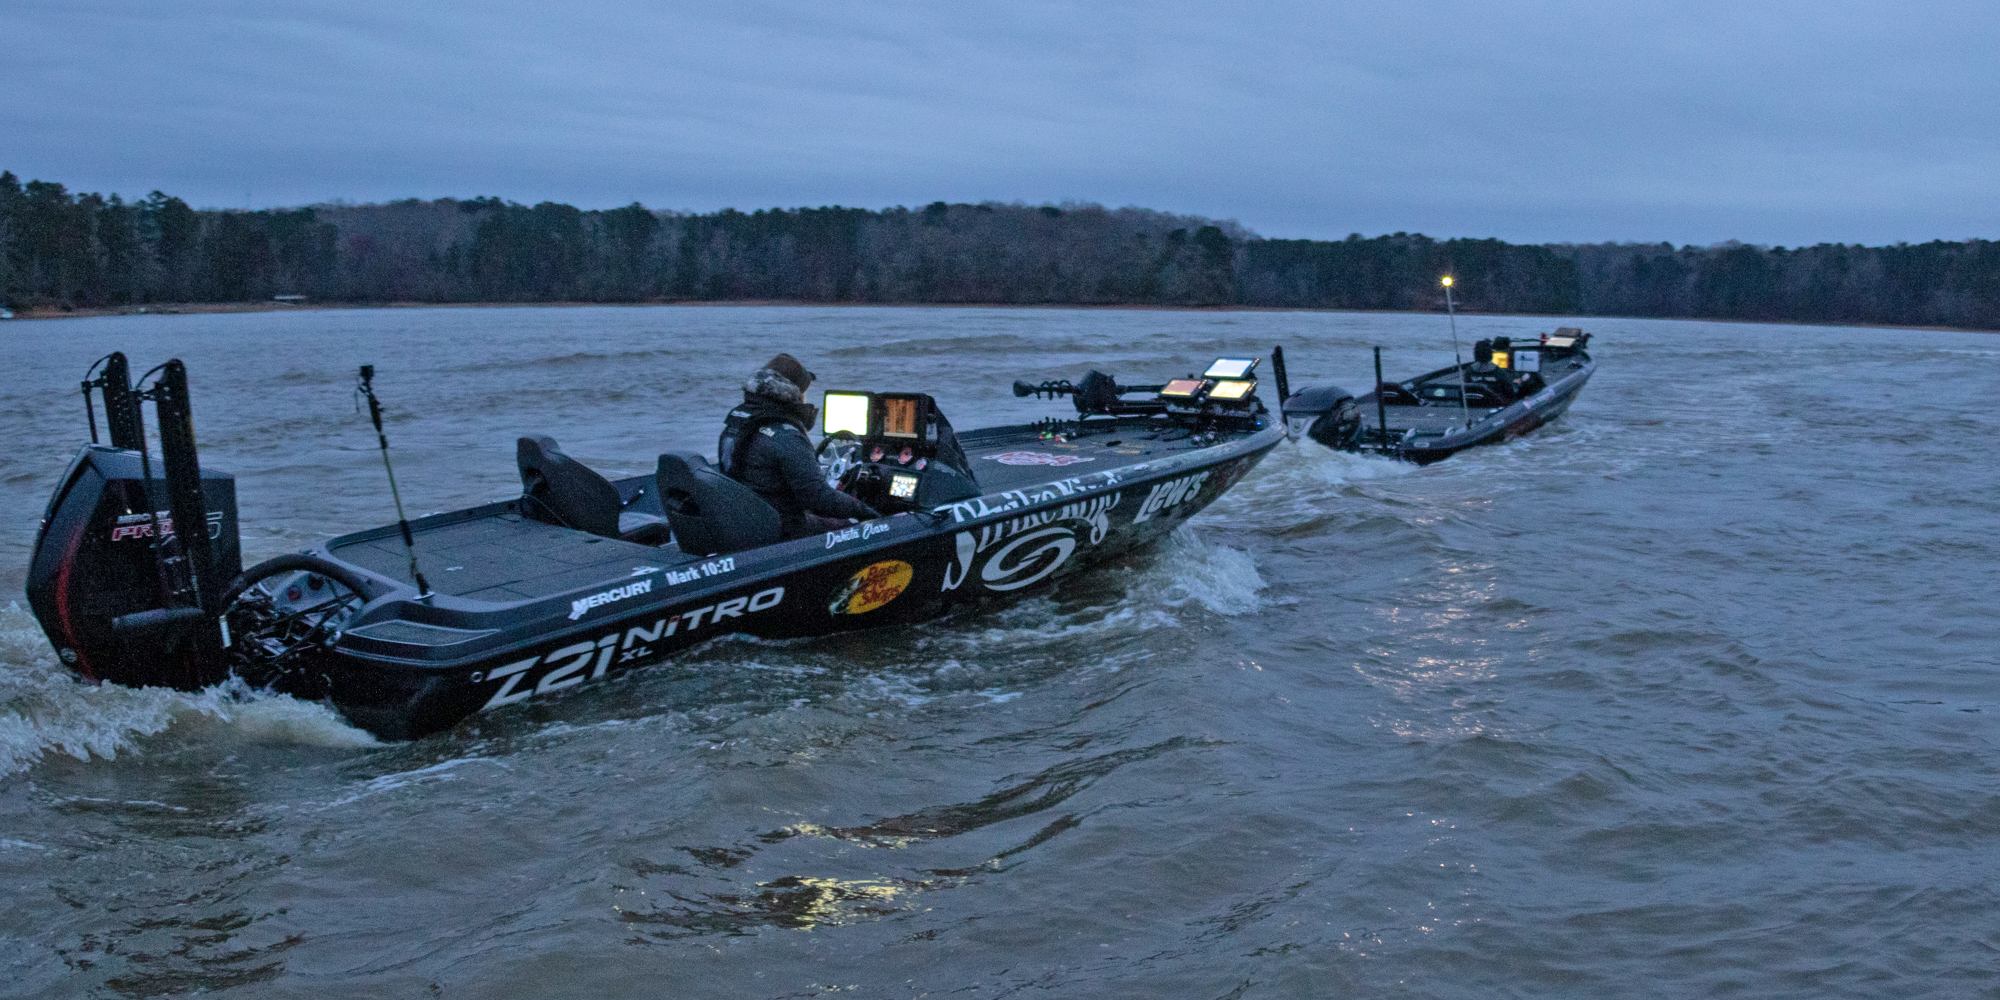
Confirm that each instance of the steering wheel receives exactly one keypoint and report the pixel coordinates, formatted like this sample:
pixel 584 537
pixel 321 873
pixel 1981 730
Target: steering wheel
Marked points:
pixel 844 456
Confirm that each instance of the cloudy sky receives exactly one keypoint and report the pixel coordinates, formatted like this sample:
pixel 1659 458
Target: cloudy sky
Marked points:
pixel 1769 121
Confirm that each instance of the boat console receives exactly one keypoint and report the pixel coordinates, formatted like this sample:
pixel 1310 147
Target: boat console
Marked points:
pixel 893 451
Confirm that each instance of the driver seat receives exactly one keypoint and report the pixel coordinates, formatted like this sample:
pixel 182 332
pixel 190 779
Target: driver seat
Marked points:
pixel 557 489
pixel 712 514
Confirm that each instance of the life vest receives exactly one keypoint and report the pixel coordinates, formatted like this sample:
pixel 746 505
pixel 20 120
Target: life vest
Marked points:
pixel 743 423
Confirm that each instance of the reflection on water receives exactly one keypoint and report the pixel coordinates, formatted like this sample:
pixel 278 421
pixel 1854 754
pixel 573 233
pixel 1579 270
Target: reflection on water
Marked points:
pixel 1686 694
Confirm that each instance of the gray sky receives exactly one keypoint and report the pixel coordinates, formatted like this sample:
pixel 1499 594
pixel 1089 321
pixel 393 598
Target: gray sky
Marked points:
pixel 1770 121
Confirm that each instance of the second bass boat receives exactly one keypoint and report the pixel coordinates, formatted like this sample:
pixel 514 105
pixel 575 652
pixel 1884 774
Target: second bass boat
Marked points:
pixel 1506 391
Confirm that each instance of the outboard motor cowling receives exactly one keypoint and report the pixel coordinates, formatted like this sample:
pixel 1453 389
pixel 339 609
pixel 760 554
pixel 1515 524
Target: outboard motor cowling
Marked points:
pixel 1327 414
pixel 98 587
pixel 131 563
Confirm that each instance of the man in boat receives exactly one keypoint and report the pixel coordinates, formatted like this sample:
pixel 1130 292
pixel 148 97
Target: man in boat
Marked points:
pixel 1504 384
pixel 764 446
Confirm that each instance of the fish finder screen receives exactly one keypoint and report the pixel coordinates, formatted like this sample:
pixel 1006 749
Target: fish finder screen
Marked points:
pixel 1230 368
pixel 1231 390
pixel 846 411
pixel 1182 387
pixel 903 487
pixel 899 418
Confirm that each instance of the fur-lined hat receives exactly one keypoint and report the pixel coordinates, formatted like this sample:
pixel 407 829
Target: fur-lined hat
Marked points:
pixel 789 367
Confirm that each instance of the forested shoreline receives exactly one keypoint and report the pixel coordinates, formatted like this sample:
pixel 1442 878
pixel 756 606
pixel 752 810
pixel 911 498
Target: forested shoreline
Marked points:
pixel 62 250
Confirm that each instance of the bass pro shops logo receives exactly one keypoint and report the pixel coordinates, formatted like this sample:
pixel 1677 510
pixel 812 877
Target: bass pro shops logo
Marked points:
pixel 871 587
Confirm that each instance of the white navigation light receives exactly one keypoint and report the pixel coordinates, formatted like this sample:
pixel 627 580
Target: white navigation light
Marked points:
pixel 1231 389
pixel 1230 368
pixel 846 411
pixel 903 486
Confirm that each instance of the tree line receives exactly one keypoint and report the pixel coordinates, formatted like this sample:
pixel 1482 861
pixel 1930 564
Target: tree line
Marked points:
pixel 65 250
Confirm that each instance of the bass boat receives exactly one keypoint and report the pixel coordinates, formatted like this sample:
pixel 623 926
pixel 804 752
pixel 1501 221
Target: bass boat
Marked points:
pixel 408 628
pixel 1506 391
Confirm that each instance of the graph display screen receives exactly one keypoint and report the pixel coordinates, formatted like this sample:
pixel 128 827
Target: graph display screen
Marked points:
pixel 1230 368
pixel 1182 388
pixel 1229 389
pixel 901 417
pixel 845 411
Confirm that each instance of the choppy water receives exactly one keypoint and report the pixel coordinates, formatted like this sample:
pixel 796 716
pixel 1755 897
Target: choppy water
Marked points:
pixel 1689 694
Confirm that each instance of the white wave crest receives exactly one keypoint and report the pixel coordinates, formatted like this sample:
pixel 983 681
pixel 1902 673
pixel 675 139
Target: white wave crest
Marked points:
pixel 1316 461
pixel 1192 569
pixel 45 708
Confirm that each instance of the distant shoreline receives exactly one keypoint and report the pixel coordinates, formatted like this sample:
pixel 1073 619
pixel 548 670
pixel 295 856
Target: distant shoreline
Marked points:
pixel 212 308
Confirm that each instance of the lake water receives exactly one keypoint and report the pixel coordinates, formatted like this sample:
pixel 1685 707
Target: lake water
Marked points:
pixel 1688 694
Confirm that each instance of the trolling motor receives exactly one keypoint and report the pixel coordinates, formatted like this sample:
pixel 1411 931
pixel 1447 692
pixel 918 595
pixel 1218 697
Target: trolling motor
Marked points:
pixel 1096 393
pixel 129 568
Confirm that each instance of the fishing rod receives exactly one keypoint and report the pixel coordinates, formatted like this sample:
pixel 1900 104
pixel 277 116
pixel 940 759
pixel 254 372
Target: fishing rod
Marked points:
pixel 1451 310
pixel 366 387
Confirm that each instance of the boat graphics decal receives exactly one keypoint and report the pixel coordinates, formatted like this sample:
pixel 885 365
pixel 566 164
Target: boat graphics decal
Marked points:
pixel 691 574
pixel 1000 503
pixel 582 605
pixel 141 526
pixel 1025 550
pixel 871 587
pixel 566 664
pixel 1037 458
pixel 855 533
pixel 1169 494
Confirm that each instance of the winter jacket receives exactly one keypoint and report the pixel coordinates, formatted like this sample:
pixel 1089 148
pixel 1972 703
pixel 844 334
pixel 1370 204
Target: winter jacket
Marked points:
pixel 764 446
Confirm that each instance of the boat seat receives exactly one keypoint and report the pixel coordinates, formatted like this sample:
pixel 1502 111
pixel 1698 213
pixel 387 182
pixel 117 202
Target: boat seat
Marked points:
pixel 1393 394
pixel 1483 396
pixel 557 489
pixel 712 514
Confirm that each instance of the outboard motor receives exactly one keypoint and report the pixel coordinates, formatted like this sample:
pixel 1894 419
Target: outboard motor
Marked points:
pixel 1327 414
pixel 131 561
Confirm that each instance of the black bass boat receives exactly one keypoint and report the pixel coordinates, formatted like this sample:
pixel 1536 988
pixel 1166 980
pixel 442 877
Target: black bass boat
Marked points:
pixel 1506 391
pixel 411 627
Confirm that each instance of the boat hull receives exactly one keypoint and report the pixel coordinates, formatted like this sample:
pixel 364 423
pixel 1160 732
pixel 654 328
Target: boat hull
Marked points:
pixel 1498 426
pixel 410 667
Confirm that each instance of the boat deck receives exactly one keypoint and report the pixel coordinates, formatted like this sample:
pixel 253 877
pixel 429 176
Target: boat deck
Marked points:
pixel 1012 459
pixel 505 557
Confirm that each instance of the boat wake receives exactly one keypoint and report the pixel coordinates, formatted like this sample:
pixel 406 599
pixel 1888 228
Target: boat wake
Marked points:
pixel 46 709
